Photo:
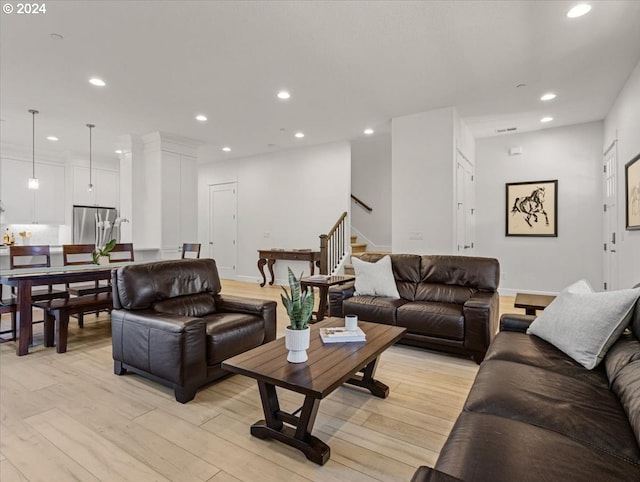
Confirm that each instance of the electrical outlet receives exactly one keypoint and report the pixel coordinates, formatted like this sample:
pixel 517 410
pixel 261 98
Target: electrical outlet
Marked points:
pixel 267 234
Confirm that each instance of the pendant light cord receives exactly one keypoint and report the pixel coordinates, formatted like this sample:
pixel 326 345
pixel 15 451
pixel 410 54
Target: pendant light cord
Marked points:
pixel 33 142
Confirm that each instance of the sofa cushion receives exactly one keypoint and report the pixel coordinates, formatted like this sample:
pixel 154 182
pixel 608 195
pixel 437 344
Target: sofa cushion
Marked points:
pixel 584 325
pixel 191 305
pixel 586 412
pixel 229 334
pixel 468 271
pixel 375 279
pixel 376 309
pixel 484 447
pixel 530 350
pixel 624 351
pixel 139 286
pixel 443 320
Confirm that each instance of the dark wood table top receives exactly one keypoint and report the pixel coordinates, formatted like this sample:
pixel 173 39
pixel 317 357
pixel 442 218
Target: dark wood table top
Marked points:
pixel 328 366
pixel 326 280
pixel 532 301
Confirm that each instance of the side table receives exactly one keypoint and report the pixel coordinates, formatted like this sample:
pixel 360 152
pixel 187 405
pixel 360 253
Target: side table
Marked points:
pixel 323 283
pixel 531 302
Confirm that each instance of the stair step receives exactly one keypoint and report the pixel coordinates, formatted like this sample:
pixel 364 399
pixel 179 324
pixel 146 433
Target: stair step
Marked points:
pixel 354 238
pixel 348 269
pixel 358 247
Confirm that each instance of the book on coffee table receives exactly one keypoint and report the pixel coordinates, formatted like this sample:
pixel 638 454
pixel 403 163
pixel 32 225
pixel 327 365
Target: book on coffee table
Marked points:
pixel 341 335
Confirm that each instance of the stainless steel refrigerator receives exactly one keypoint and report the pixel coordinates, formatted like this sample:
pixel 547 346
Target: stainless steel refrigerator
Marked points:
pixel 84 223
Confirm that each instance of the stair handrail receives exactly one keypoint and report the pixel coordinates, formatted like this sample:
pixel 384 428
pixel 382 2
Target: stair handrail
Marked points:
pixel 362 203
pixel 333 246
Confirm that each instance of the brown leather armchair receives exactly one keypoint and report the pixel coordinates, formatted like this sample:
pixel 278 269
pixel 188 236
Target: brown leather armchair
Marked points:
pixel 171 324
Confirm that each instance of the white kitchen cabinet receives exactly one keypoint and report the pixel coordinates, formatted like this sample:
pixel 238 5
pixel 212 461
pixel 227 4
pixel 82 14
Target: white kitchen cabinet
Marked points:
pixel 32 206
pixel 106 187
pixel 178 203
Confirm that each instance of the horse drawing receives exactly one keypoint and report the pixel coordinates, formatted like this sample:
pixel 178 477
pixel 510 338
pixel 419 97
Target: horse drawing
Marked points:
pixel 634 200
pixel 530 206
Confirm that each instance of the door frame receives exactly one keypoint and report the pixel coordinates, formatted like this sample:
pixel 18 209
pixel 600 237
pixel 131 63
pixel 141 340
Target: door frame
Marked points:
pixel 610 269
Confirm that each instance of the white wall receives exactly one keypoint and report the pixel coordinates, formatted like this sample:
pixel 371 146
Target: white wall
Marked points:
pixel 295 196
pixel 423 182
pixel 623 123
pixel 371 182
pixel 573 156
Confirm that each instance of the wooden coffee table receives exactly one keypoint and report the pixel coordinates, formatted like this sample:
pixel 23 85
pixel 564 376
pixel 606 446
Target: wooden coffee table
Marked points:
pixel 328 367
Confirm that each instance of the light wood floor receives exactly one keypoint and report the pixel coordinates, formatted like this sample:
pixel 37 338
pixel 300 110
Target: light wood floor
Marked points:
pixel 68 417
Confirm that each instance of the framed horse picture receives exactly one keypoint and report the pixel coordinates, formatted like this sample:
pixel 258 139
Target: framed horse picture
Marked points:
pixel 632 188
pixel 532 208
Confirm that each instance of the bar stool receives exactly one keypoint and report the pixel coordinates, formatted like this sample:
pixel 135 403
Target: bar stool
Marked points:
pixel 191 248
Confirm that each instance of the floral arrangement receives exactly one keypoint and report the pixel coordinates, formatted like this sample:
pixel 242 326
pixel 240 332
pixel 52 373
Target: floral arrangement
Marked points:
pixel 105 242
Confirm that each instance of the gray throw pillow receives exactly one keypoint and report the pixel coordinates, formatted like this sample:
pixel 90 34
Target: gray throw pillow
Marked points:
pixel 375 279
pixel 584 324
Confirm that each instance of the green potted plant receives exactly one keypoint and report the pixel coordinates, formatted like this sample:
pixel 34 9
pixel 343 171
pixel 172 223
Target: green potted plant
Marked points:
pixel 299 305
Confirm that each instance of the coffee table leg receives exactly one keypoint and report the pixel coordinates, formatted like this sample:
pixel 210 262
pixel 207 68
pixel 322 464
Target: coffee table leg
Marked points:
pixel 367 381
pixel 300 438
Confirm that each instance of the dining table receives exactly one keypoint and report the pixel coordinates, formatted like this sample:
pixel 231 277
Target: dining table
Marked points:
pixel 23 279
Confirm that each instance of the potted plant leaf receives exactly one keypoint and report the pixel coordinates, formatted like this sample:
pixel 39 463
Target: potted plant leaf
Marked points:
pixel 299 305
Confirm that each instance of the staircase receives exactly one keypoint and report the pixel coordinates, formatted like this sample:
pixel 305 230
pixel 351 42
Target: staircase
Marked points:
pixel 357 249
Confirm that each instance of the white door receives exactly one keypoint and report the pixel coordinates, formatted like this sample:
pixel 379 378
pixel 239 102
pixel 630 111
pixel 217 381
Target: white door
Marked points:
pixel 610 217
pixel 464 206
pixel 222 227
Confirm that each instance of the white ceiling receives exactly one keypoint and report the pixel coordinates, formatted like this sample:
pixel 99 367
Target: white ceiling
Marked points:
pixel 348 65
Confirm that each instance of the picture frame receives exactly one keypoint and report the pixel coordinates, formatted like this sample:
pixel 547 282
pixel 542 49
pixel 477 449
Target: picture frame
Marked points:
pixel 632 193
pixel 532 208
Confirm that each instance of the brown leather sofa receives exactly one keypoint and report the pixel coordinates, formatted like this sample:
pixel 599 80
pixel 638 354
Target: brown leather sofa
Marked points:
pixel 447 303
pixel 171 324
pixel 535 414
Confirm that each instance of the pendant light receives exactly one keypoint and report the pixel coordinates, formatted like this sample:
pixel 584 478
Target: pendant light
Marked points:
pixel 90 187
pixel 33 182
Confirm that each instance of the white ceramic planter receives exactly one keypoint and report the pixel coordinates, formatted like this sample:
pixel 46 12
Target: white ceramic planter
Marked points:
pixel 297 342
pixel 103 260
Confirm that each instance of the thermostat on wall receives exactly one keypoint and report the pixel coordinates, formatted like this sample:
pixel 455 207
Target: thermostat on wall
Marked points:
pixel 514 151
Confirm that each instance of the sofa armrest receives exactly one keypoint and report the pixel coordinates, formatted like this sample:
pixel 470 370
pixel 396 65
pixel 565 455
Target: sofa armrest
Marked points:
pixel 480 322
pixel 427 474
pixel 265 309
pixel 171 347
pixel 337 294
pixel 515 322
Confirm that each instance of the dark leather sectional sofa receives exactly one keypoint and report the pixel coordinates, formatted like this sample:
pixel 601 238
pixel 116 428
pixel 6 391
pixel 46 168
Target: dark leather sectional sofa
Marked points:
pixel 534 414
pixel 171 324
pixel 447 303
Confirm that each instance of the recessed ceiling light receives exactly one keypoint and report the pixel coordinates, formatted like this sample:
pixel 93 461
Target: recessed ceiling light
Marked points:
pixel 118 151
pixel 52 138
pixel 546 119
pixel 97 82
pixel 368 131
pixel 579 10
pixel 201 117
pixel 226 149
pixel 56 36
pixel 283 95
pixel 548 96
pixel 299 135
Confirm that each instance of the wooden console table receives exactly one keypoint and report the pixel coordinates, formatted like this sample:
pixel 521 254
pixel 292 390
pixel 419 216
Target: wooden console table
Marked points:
pixel 269 257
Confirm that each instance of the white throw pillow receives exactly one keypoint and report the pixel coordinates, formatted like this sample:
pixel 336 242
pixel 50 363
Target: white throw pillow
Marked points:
pixel 375 279
pixel 584 324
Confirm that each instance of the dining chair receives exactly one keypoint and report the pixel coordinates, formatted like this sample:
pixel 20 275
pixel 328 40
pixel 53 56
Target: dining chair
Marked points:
pixel 9 306
pixel 123 252
pixel 191 248
pixel 77 255
pixel 37 256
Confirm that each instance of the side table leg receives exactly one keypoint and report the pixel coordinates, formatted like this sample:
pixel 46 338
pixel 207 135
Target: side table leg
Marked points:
pixel 270 264
pixel 322 302
pixel 261 263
